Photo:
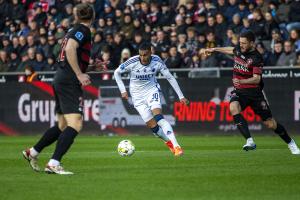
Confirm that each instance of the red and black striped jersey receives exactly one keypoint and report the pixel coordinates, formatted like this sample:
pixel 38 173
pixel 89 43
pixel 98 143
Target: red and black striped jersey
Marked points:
pixel 247 64
pixel 81 34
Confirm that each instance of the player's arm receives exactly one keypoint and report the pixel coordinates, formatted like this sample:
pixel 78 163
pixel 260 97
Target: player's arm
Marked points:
pixel 71 54
pixel 225 50
pixel 118 78
pixel 255 79
pixel 165 71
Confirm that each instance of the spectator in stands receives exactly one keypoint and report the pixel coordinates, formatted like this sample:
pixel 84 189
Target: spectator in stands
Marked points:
pixel 294 16
pixel 246 23
pixel 125 55
pixel 295 39
pixel 201 25
pixel 270 25
pixel 288 57
pixel 40 63
pixel 191 43
pixel 243 10
pixel 15 44
pixel 236 24
pixel 211 24
pixel 276 37
pixel 231 9
pixel 31 75
pixel 167 15
pixel 6 44
pixel 98 43
pixel 127 27
pixel 277 51
pixel 221 27
pixel 173 38
pixel 4 64
pixel 117 48
pixel 269 59
pixel 40 16
pixel 164 54
pixel 51 64
pixel 185 56
pixel 110 26
pixel 18 10
pixel 14 61
pixel 258 24
pixel 196 63
pixel 137 41
pixel 174 60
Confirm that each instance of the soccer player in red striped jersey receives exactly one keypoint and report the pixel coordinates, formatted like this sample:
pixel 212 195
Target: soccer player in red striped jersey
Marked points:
pixel 248 86
pixel 70 77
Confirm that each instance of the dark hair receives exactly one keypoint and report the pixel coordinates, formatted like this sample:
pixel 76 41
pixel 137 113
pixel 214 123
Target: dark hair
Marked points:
pixel 249 35
pixel 145 46
pixel 85 11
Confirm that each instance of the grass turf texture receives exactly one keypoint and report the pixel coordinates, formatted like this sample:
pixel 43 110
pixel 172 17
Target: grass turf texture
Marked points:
pixel 213 167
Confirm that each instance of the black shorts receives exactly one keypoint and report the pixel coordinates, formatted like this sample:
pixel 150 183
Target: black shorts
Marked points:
pixel 68 98
pixel 255 99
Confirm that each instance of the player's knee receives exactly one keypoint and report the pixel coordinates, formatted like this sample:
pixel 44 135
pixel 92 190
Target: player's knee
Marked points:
pixel 234 109
pixel 270 123
pixel 76 124
pixel 158 117
pixel 62 125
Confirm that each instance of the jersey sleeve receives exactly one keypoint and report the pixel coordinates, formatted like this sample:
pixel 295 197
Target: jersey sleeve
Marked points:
pixel 78 35
pixel 257 65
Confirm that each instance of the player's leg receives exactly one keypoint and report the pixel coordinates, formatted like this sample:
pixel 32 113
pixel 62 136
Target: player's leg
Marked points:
pixel 64 142
pixel 168 131
pixel 146 114
pixel 235 110
pixel 71 104
pixel 49 137
pixel 281 131
pixel 157 131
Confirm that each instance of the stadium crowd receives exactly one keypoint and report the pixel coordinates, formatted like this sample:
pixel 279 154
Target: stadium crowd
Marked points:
pixel 31 31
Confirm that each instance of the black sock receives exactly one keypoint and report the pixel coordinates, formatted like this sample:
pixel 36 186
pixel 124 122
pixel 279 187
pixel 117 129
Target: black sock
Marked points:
pixel 242 125
pixel 48 138
pixel 280 130
pixel 64 142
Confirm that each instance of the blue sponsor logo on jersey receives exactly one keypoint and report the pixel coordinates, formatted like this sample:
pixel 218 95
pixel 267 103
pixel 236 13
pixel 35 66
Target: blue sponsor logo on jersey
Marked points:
pixel 79 35
pixel 122 67
pixel 144 77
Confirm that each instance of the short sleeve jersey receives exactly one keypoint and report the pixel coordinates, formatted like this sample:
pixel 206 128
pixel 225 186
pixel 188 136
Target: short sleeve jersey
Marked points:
pixel 247 64
pixel 81 34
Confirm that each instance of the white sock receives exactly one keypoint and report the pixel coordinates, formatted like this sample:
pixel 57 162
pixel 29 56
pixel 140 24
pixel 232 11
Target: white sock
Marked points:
pixel 167 129
pixel 250 140
pixel 53 162
pixel 162 135
pixel 33 152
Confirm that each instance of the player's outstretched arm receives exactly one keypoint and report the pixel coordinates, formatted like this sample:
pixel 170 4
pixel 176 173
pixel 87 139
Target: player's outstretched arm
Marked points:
pixel 120 83
pixel 71 53
pixel 225 50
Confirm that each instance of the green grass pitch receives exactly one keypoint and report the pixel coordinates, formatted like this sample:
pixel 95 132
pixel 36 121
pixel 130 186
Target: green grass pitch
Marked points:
pixel 213 167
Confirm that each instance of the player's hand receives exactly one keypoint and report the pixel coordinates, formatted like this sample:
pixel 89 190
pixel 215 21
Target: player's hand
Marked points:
pixel 207 52
pixel 185 101
pixel 124 95
pixel 84 79
pixel 236 82
pixel 101 65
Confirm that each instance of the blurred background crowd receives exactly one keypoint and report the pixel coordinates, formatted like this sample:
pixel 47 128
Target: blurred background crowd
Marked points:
pixel 31 31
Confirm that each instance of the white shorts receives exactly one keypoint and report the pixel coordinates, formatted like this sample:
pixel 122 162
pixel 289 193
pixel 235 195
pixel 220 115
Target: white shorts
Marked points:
pixel 148 103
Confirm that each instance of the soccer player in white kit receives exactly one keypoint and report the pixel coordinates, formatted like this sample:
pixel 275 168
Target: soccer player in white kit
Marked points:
pixel 145 92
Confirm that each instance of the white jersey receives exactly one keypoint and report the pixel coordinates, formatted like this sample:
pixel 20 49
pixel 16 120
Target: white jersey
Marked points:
pixel 143 78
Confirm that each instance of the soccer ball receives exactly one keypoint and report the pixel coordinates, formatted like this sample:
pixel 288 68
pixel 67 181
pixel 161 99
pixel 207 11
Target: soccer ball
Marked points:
pixel 126 148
